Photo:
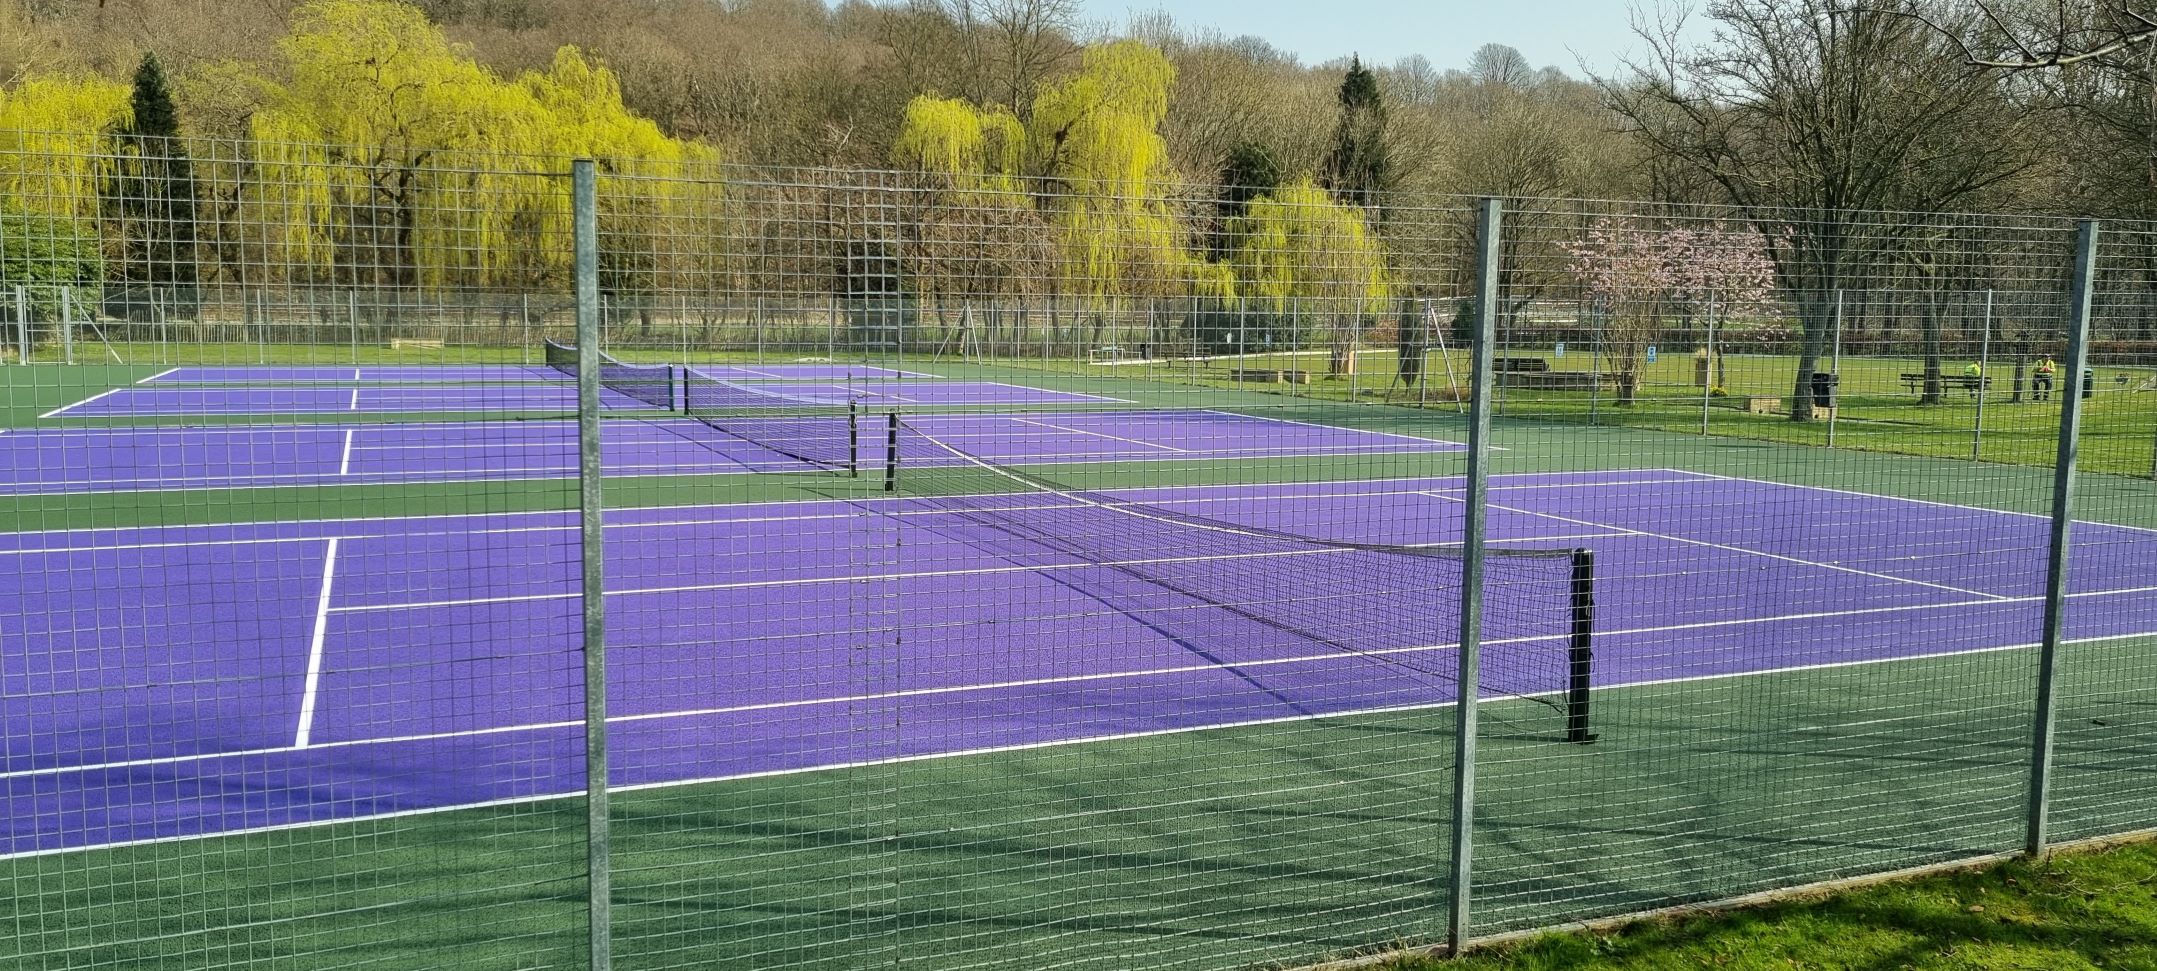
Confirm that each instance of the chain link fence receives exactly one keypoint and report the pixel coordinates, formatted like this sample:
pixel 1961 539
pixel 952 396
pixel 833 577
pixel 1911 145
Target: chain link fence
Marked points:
pixel 505 563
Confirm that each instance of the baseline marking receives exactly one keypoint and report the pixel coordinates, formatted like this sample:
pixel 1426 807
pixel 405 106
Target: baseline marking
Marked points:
pixel 1737 549
pixel 56 411
pixel 929 756
pixel 1114 438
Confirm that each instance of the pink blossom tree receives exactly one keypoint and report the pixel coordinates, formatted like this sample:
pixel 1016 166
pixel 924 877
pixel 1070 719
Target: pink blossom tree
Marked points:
pixel 1640 279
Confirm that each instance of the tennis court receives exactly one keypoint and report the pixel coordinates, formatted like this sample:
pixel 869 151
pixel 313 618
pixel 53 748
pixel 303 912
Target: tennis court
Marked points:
pixel 147 401
pixel 73 460
pixel 253 676
pixel 494 373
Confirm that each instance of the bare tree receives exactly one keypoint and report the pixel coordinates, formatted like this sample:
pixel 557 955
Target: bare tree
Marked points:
pixel 1033 39
pixel 1808 111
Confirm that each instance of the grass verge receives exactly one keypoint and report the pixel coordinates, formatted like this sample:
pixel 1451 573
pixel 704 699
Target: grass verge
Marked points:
pixel 2095 909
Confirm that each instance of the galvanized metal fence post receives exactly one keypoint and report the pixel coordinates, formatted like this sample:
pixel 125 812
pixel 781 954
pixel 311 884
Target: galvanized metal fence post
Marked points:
pixel 598 875
pixel 1707 387
pixel 22 325
pixel 2063 495
pixel 1984 383
pixel 1471 589
pixel 67 325
pixel 1834 370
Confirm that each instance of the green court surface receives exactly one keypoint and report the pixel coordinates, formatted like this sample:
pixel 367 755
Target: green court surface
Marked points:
pixel 1227 847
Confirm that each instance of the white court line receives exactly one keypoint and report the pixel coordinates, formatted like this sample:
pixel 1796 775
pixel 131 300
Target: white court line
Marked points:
pixel 1113 438
pixel 1233 489
pixel 56 411
pixel 692 521
pixel 929 756
pixel 1328 656
pixel 397 476
pixel 314 651
pixel 344 459
pixel 355 405
pixel 159 374
pixel 1735 549
pixel 1340 428
pixel 1921 502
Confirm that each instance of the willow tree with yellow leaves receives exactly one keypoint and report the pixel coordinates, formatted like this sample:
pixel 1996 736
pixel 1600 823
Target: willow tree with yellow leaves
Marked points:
pixel 390 158
pixel 1300 254
pixel 1078 194
pixel 55 154
pixel 977 237
pixel 1096 136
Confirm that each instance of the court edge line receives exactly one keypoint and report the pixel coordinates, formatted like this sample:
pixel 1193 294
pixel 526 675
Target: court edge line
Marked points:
pixel 344 458
pixel 887 577
pixel 55 413
pixel 1740 549
pixel 1019 747
pixel 783 503
pixel 1343 428
pixel 158 375
pixel 1114 438
pixel 1111 675
pixel 364 420
pixel 268 481
pixel 1922 502
pixel 309 692
pixel 693 521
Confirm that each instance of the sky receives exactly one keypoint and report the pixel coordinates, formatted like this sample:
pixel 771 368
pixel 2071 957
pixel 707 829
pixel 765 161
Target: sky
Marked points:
pixel 1552 33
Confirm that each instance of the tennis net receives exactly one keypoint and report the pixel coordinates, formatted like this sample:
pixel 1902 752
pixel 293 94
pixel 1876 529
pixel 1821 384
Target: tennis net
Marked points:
pixel 652 384
pixel 814 431
pixel 1318 624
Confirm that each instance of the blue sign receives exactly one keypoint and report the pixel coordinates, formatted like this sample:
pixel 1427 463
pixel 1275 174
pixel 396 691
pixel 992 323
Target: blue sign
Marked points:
pixel 1651 353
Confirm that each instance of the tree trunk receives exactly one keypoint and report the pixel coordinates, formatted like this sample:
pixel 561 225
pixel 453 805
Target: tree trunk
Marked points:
pixel 1935 387
pixel 1817 318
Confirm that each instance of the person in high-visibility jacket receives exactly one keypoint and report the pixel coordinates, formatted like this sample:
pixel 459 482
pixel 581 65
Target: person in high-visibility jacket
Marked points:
pixel 1973 378
pixel 2041 385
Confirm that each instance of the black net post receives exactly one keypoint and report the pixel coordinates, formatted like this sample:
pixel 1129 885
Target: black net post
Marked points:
pixel 853 439
pixel 1580 651
pixel 891 452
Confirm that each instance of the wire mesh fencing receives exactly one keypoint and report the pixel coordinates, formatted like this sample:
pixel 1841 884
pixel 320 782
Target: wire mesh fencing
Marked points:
pixel 416 565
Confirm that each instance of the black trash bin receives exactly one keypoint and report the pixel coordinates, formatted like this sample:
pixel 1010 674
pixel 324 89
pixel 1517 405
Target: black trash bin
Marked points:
pixel 1823 389
pixel 2089 383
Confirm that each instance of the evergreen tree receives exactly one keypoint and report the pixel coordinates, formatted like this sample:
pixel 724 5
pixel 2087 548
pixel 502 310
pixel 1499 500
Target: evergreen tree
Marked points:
pixel 1359 166
pixel 1248 172
pixel 151 196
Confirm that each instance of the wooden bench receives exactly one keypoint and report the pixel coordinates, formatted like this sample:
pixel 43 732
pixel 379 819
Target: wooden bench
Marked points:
pixel 1915 383
pixel 400 343
pixel 1519 365
pixel 1547 380
pixel 1267 375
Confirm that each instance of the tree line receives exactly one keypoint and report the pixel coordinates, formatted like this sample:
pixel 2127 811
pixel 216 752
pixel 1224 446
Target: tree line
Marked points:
pixel 1040 154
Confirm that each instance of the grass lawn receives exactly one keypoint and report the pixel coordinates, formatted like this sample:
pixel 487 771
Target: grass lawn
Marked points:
pixel 1877 411
pixel 2077 910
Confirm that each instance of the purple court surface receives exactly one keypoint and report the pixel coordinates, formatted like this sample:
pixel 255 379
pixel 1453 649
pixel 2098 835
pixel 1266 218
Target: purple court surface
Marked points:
pixel 66 460
pixel 219 679
pixel 486 373
pixel 147 401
